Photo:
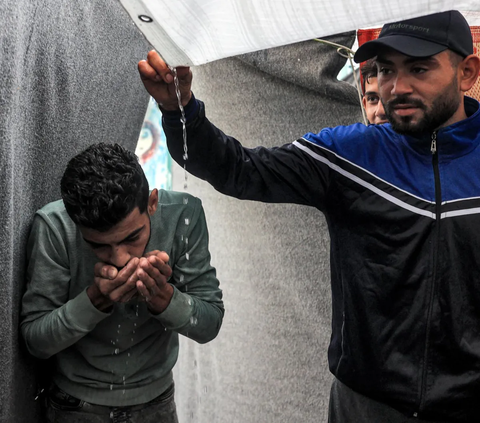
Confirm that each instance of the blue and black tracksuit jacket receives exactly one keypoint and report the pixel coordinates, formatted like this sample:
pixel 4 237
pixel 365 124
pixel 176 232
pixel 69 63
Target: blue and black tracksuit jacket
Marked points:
pixel 404 221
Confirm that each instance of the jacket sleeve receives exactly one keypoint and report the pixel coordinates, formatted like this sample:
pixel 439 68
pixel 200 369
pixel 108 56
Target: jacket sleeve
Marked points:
pixel 283 174
pixel 51 322
pixel 196 308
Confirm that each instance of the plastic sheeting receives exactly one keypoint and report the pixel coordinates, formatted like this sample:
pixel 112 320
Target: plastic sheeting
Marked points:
pixel 194 32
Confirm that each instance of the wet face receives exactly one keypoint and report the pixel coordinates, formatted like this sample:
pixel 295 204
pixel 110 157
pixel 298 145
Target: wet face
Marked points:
pixel 372 104
pixel 419 94
pixel 125 240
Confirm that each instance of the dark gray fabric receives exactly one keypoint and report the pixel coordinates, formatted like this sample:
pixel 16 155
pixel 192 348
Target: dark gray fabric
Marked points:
pixel 269 362
pixel 348 406
pixel 68 79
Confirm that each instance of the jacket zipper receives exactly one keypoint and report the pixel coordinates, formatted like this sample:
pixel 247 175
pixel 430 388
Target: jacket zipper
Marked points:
pixel 438 204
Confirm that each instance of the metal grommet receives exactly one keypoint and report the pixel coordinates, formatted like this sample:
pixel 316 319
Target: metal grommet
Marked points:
pixel 145 18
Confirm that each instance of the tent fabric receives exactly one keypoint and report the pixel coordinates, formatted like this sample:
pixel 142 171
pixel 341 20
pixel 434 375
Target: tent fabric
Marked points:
pixel 69 79
pixel 194 32
pixel 364 35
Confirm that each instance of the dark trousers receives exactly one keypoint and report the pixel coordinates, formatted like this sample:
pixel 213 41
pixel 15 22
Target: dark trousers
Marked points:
pixel 63 408
pixel 348 406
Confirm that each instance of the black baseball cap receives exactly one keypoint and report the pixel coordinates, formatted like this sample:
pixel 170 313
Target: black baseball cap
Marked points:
pixel 422 37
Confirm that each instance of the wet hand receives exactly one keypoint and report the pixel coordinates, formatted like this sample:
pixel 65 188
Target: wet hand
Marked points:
pixel 153 273
pixel 111 286
pixel 158 81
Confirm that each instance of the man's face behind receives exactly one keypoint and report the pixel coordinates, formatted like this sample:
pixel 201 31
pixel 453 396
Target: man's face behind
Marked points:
pixel 125 240
pixel 419 94
pixel 371 101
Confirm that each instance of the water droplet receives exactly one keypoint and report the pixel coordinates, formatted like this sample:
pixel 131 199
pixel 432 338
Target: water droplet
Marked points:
pixel 111 387
pixel 186 241
pixel 185 200
pixel 119 326
pixel 134 324
pixel 123 378
pixel 182 277
pixel 128 354
pixel 124 391
pixel 132 339
pixel 117 350
pixel 187 221
pixel 187 256
pixel 193 321
pixel 190 301
pixel 181 238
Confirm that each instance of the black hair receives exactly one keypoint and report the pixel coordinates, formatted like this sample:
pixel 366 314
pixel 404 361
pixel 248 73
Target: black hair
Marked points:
pixel 102 185
pixel 368 70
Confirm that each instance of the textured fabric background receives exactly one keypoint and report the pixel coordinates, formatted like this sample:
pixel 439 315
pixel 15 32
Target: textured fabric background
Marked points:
pixel 68 79
pixel 269 362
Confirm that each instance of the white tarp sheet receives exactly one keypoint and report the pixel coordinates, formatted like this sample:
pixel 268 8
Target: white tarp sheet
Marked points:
pixel 194 32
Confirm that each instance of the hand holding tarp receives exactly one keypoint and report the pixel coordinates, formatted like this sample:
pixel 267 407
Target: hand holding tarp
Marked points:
pixel 157 78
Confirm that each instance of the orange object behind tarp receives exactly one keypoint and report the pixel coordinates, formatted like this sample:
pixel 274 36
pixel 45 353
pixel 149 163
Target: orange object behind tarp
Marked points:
pixel 365 35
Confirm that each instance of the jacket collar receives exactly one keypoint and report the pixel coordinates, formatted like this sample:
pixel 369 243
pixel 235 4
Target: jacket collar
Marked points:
pixel 454 140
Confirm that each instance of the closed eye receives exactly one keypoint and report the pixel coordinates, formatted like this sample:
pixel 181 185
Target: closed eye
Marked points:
pixel 96 246
pixel 130 240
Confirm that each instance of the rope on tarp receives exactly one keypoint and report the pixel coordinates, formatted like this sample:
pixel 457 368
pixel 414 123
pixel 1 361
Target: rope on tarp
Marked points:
pixel 348 53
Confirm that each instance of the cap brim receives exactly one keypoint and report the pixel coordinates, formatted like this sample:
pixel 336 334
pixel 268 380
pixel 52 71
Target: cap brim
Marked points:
pixel 410 46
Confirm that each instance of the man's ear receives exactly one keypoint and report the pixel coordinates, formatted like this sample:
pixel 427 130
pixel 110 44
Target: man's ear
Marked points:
pixel 469 69
pixel 152 202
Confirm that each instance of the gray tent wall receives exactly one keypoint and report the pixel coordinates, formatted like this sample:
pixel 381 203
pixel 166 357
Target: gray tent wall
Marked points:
pixel 269 362
pixel 68 79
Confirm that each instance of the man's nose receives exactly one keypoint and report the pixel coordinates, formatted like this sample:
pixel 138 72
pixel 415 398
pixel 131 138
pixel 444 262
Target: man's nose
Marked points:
pixel 401 85
pixel 119 256
pixel 380 112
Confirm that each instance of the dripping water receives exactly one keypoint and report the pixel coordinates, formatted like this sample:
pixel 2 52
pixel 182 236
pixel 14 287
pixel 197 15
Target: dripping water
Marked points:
pixel 183 119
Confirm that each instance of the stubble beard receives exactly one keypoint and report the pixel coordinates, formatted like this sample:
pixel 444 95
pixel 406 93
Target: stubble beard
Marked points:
pixel 443 108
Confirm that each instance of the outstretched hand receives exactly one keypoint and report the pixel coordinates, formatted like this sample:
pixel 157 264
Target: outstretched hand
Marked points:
pixel 158 81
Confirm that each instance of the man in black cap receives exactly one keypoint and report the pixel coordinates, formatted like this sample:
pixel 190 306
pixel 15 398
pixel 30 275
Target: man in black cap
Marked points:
pixel 402 202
